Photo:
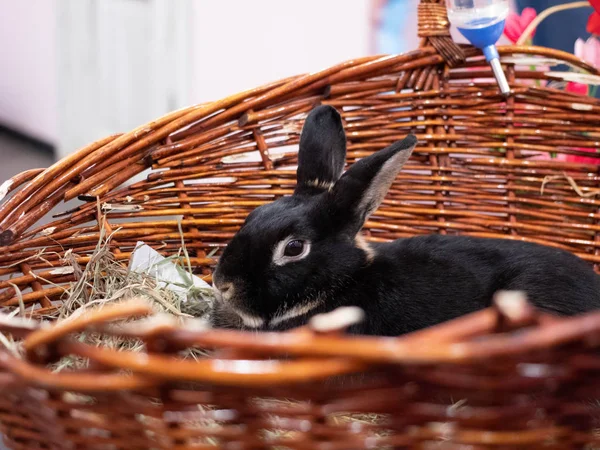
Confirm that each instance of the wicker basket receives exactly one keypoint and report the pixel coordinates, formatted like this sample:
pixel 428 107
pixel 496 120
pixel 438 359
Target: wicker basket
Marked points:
pixel 500 378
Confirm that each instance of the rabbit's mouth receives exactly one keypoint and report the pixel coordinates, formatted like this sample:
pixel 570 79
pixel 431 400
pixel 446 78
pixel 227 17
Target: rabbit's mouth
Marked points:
pixel 226 300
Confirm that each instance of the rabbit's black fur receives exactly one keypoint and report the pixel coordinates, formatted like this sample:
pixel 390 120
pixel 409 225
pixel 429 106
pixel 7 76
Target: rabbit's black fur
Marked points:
pixel 402 286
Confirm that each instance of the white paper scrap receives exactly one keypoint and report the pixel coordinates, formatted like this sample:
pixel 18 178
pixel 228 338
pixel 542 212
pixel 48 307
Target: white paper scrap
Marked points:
pixel 168 275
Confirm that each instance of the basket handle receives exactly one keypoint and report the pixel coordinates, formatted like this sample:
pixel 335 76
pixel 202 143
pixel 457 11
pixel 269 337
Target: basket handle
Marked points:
pixel 434 30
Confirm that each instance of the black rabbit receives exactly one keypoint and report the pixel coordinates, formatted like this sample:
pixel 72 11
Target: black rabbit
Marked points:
pixel 303 255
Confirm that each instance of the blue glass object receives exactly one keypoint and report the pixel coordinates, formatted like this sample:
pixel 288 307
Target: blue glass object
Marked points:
pixel 482 22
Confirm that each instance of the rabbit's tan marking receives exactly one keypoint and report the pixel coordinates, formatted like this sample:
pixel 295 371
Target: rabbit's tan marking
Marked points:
pixel 296 311
pixel 249 320
pixel 362 243
pixel 327 185
pixel 338 319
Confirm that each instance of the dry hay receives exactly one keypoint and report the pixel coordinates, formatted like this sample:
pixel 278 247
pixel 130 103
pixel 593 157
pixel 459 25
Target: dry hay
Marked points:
pixel 104 281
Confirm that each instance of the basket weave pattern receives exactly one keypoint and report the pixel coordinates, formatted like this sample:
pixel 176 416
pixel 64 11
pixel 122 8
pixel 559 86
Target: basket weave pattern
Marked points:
pixel 474 171
pixel 469 382
pixel 479 169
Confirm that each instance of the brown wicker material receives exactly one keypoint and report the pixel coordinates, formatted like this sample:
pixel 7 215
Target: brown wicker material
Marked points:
pixel 477 171
pixel 463 384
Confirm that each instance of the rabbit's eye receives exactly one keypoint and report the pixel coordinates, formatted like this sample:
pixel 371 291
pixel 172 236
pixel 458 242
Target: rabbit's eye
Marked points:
pixel 290 250
pixel 294 248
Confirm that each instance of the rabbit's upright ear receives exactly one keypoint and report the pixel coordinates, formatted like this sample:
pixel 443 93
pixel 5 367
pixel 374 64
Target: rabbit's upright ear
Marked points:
pixel 322 153
pixel 360 191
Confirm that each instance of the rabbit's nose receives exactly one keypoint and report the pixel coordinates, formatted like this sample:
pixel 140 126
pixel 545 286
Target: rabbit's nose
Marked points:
pixel 225 289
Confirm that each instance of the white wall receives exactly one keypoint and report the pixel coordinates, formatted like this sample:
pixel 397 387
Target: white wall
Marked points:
pixel 239 45
pixel 28 90
pixel 122 63
pixel 50 90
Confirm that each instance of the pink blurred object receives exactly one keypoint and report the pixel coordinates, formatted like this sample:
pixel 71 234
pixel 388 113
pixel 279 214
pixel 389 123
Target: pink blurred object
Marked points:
pixel 516 24
pixel 544 156
pixel 577 88
pixel 583 159
pixel 588 50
